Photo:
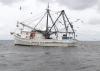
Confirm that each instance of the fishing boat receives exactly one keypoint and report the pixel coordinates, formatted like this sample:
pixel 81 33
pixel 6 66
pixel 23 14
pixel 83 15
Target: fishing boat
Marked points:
pixel 57 32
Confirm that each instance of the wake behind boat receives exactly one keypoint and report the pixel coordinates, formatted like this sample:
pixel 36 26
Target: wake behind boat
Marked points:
pixel 57 31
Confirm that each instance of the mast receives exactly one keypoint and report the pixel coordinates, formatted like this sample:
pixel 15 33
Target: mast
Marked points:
pixel 64 16
pixel 47 19
pixel 70 25
pixel 47 36
pixel 63 13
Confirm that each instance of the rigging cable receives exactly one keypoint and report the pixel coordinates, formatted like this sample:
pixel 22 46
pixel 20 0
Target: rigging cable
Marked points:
pixel 34 17
pixel 39 21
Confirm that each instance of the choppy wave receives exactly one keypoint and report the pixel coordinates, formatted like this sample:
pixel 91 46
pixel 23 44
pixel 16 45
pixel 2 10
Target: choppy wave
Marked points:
pixel 84 57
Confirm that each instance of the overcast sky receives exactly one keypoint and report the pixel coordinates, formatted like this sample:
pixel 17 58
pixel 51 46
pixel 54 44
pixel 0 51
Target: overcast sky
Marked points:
pixel 88 28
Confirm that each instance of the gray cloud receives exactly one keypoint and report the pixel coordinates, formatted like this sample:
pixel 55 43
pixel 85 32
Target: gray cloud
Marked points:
pixel 8 2
pixel 78 4
pixel 46 1
pixel 75 4
pixel 99 5
pixel 94 21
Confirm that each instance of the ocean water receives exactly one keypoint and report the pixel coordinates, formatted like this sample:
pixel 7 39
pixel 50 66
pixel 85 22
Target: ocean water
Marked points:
pixel 84 57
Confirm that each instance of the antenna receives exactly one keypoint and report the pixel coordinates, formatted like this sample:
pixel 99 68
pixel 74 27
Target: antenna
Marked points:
pixel 48 5
pixel 20 7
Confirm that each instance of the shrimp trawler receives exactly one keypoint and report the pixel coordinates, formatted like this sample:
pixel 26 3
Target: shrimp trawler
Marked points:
pixel 56 32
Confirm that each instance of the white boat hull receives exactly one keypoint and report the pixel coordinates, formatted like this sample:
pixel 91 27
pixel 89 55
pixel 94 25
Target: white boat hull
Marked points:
pixel 44 42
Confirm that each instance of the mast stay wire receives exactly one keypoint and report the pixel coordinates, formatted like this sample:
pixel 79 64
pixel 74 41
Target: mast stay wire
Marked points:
pixel 34 18
pixel 39 21
pixel 31 21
